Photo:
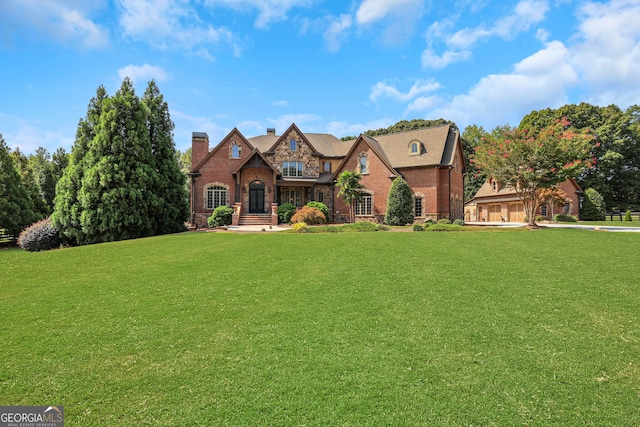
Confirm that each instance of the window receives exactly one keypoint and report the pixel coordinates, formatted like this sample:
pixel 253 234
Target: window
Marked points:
pixel 320 197
pixel 543 210
pixel 363 164
pixel 326 166
pixel 216 196
pixel 293 145
pixel 417 207
pixel 365 206
pixel 414 148
pixel 567 208
pixel 235 151
pixel 291 196
pixel 291 168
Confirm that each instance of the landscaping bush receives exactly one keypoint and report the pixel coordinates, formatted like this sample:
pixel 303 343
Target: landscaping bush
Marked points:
pixel 300 227
pixel 593 206
pixel 309 215
pixel 428 222
pixel 458 222
pixel 418 227
pixel 399 204
pixel 285 211
pixel 362 226
pixel 444 221
pixel 321 207
pixel 564 218
pixel 444 227
pixel 40 236
pixel 221 216
pixel 627 216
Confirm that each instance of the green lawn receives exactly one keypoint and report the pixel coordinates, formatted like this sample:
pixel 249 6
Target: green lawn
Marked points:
pixel 477 328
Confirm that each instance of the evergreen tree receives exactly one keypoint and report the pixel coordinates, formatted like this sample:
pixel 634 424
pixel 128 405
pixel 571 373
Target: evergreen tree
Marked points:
pixel 116 194
pixel 16 206
pixel 593 206
pixel 29 182
pixel 67 207
pixel 399 204
pixel 171 202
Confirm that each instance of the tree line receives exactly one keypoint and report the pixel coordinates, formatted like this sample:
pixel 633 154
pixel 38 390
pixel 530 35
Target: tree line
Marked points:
pixel 122 179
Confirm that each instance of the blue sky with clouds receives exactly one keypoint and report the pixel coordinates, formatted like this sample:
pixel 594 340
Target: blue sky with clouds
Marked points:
pixel 338 67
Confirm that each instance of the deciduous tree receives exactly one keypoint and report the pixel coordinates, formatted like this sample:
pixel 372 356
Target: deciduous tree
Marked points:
pixel 529 160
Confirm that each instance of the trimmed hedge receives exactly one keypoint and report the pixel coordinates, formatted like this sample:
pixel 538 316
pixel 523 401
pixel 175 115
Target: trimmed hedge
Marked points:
pixel 285 211
pixel 221 216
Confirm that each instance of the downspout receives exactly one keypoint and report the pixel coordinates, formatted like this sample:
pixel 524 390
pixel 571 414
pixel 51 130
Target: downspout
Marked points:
pixel 450 167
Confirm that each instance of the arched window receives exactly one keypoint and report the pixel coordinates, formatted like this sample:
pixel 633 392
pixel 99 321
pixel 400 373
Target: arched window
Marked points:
pixel 364 164
pixel 216 195
pixel 414 148
pixel 364 207
pixel 235 151
pixel 293 145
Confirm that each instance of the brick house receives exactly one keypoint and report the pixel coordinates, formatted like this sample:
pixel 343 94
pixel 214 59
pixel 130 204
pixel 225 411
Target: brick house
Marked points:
pixel 255 175
pixel 496 203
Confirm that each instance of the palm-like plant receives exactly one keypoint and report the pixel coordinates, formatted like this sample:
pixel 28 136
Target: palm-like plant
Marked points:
pixel 350 190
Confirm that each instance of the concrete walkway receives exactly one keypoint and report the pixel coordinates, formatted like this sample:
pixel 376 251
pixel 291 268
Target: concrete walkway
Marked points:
pixel 563 225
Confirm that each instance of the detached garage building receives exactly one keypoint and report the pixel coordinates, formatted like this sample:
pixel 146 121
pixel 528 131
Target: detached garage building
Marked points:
pixel 495 203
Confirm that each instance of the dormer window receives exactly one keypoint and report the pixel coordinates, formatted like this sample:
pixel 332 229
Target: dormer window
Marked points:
pixel 414 148
pixel 293 145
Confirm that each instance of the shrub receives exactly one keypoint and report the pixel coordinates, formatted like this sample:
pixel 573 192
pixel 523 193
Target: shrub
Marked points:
pixel 627 216
pixel 540 218
pixel 309 215
pixel 418 227
pixel 321 207
pixel 40 236
pixel 399 204
pixel 458 222
pixel 564 218
pixel 362 226
pixel 285 211
pixel 221 216
pixel 428 222
pixel 444 221
pixel 444 227
pixel 593 206
pixel 300 227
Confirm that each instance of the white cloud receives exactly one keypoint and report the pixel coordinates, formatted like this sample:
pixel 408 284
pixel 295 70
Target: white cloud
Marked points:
pixel 385 90
pixel 28 135
pixel 334 35
pixel 64 21
pixel 145 72
pixel 269 11
pixel 342 129
pixel 423 103
pixel 170 24
pixel 539 81
pixel 281 103
pixel 526 14
pixel 371 11
pixel 608 51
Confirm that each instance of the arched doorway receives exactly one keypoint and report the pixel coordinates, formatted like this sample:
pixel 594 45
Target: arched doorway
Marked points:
pixel 256 197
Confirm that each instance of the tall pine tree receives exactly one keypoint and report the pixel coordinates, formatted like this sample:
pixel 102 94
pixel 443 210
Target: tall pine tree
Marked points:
pixel 68 209
pixel 16 206
pixel 170 208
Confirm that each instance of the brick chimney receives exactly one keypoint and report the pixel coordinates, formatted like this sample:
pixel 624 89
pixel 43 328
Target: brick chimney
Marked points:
pixel 199 147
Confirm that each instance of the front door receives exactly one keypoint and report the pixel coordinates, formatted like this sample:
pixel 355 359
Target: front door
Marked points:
pixel 256 197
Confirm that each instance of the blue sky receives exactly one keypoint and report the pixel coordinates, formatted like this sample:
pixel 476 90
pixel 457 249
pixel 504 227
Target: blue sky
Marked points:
pixel 339 67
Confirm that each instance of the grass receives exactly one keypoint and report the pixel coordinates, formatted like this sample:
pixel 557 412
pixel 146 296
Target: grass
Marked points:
pixel 476 328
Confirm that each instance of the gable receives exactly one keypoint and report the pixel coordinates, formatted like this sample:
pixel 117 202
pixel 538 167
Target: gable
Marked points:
pixel 364 146
pixel 225 150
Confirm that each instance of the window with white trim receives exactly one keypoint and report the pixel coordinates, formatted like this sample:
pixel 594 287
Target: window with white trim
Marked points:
pixel 327 166
pixel 293 145
pixel 364 207
pixel 292 169
pixel 216 196
pixel 415 148
pixel 567 208
pixel 291 196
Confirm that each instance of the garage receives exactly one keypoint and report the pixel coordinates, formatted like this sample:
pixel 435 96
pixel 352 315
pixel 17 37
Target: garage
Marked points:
pixel 495 213
pixel 516 212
